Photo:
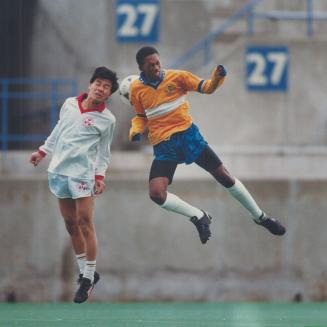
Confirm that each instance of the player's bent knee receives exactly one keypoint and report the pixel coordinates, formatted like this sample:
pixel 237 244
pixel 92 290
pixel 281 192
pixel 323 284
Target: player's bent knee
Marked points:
pixel 71 226
pixel 72 229
pixel 158 197
pixel 85 222
pixel 87 228
pixel 222 175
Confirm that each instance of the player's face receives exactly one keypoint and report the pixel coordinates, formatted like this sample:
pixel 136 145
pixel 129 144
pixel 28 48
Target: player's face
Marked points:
pixel 100 90
pixel 152 67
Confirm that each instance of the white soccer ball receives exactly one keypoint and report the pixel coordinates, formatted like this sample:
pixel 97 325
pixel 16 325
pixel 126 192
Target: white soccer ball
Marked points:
pixel 124 88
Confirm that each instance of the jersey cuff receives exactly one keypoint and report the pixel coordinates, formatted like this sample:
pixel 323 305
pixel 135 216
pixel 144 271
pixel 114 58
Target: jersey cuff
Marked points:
pixel 99 178
pixel 42 153
pixel 200 86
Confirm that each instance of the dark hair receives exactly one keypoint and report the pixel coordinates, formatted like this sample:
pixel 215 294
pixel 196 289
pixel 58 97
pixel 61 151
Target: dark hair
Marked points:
pixel 144 52
pixel 105 73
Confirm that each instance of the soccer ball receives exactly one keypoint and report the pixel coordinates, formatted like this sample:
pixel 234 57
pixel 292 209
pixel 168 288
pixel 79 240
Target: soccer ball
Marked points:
pixel 124 88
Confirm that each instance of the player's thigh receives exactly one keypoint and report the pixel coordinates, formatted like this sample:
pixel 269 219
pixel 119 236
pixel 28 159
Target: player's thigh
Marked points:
pixel 67 209
pixel 162 169
pixel 84 209
pixel 208 160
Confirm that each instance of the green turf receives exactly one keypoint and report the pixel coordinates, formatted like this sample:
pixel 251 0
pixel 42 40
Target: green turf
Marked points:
pixel 164 314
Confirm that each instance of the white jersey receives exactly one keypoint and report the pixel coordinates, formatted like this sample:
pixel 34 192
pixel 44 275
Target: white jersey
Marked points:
pixel 80 142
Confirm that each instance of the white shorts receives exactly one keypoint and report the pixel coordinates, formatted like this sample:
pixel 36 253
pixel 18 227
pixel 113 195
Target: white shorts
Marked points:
pixel 70 187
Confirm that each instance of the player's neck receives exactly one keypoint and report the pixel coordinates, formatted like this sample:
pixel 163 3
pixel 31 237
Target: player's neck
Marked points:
pixel 89 103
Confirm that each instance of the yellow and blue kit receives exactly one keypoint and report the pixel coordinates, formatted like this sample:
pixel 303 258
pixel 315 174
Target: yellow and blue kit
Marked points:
pixel 163 108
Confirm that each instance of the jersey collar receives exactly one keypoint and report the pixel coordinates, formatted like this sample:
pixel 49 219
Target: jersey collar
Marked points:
pixel 100 107
pixel 155 84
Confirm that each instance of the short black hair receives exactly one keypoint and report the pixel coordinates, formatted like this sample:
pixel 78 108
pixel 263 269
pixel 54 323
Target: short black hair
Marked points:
pixel 105 73
pixel 144 52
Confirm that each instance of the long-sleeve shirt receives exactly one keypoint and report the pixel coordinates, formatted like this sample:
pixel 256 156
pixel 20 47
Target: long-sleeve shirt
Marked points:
pixel 163 108
pixel 80 142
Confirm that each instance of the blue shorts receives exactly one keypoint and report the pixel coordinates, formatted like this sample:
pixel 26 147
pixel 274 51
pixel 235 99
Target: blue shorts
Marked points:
pixel 182 147
pixel 64 187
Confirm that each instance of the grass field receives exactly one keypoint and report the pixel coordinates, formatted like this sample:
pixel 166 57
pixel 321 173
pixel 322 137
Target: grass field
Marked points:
pixel 165 314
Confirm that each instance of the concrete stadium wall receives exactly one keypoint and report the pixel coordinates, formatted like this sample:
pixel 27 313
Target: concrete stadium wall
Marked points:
pixel 147 253
pixel 275 143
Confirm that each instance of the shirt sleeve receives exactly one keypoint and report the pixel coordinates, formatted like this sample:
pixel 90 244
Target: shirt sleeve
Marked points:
pixel 103 156
pixel 211 85
pixel 137 105
pixel 139 122
pixel 50 142
pixel 191 82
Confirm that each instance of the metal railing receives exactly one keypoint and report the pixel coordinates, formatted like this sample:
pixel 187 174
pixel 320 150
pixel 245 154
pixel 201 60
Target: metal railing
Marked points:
pixel 205 45
pixel 54 95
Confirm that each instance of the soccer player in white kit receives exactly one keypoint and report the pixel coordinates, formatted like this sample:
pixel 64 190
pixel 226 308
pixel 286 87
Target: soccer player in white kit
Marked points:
pixel 80 149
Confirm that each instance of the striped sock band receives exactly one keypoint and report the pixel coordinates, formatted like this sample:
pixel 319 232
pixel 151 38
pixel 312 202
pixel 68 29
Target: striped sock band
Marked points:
pixel 89 270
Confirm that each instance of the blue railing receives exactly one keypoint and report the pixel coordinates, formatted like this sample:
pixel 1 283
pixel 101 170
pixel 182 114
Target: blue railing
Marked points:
pixel 309 16
pixel 54 95
pixel 205 45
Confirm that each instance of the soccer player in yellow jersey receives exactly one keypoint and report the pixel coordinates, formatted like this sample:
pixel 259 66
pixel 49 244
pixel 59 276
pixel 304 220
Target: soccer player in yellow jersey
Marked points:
pixel 159 100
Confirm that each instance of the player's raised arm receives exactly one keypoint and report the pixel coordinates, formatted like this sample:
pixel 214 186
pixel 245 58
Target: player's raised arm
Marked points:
pixel 218 76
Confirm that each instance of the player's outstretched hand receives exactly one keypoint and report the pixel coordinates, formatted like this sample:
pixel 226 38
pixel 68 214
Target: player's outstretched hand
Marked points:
pixel 136 137
pixel 221 71
pixel 35 158
pixel 99 186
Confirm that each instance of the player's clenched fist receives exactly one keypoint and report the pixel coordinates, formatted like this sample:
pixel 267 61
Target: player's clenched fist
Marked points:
pixel 221 70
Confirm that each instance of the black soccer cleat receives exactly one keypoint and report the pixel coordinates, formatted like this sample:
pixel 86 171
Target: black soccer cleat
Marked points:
pixel 85 288
pixel 273 225
pixel 202 225
pixel 96 278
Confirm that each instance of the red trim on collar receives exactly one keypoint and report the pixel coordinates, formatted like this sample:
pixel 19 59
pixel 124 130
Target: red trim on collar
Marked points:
pixel 98 108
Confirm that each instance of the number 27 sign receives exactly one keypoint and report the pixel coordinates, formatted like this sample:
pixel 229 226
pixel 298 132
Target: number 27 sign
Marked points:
pixel 267 68
pixel 137 20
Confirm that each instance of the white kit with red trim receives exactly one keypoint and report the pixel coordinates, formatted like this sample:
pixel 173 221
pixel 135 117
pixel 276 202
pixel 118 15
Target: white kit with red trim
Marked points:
pixel 80 142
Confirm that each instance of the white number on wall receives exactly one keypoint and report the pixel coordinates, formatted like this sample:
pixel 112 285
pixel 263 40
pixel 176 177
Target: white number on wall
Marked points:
pixel 129 27
pixel 267 68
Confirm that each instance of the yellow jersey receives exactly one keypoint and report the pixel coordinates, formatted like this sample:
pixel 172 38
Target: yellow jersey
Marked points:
pixel 163 108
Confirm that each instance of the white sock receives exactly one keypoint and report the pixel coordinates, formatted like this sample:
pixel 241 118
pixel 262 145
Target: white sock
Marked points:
pixel 81 259
pixel 175 204
pixel 240 193
pixel 89 270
